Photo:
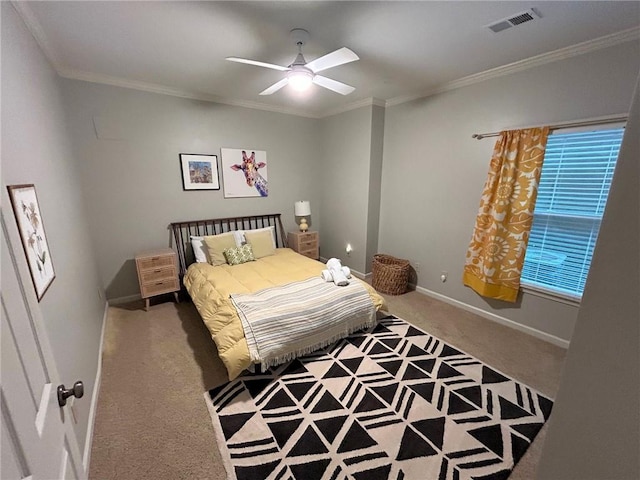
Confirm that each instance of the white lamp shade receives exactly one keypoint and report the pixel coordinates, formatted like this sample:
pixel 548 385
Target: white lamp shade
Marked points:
pixel 302 208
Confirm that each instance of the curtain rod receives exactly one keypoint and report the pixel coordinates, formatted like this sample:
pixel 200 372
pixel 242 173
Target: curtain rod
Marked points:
pixel 587 123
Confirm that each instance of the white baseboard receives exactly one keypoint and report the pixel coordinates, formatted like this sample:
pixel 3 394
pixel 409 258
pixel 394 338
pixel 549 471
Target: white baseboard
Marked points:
pixel 127 299
pixel 560 342
pixel 86 457
pixel 355 273
pixel 360 275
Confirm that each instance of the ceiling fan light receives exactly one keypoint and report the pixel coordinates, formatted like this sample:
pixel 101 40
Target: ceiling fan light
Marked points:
pixel 300 81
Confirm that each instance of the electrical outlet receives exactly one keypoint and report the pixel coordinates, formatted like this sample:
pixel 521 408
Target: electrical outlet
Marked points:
pixel 443 276
pixel 100 294
pixel 348 249
pixel 416 267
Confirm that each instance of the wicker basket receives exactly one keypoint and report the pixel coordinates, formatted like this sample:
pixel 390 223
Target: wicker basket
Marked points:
pixel 390 274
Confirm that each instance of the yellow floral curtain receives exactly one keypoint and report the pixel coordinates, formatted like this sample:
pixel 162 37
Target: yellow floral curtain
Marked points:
pixel 496 252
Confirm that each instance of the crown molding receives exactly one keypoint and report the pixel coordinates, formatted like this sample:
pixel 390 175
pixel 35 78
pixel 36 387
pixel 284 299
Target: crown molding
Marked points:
pixel 175 92
pixel 365 102
pixel 28 17
pixel 521 65
pixel 531 62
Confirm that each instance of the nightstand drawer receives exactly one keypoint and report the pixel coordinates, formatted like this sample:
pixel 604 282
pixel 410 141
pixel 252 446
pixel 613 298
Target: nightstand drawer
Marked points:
pixel 311 253
pixel 157 274
pixel 307 245
pixel 308 237
pixel 161 286
pixel 156 262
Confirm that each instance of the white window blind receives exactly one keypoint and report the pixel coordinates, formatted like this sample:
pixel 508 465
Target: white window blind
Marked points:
pixel 572 194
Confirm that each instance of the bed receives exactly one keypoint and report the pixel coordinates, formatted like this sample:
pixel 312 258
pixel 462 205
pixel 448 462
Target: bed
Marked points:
pixel 210 287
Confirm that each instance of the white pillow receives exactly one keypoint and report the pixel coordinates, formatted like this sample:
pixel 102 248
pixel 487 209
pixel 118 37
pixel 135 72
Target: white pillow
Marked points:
pixel 238 236
pixel 200 250
pixel 241 240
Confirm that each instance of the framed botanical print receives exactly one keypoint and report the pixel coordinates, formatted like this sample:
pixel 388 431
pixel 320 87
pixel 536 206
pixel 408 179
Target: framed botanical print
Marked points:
pixel 34 241
pixel 199 172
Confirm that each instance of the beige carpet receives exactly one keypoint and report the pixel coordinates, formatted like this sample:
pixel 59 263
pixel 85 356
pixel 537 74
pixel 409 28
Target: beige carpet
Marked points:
pixel 152 421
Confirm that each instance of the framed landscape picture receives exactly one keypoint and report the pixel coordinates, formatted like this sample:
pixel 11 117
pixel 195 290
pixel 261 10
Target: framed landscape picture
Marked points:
pixel 199 172
pixel 34 241
pixel 244 172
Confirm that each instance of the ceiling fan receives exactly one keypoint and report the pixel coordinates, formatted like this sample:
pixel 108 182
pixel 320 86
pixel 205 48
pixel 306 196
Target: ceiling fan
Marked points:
pixel 300 74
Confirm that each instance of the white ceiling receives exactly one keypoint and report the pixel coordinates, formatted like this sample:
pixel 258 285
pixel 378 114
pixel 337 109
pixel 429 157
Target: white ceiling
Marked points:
pixel 406 49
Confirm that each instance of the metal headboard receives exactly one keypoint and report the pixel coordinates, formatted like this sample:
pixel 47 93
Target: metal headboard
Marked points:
pixel 214 226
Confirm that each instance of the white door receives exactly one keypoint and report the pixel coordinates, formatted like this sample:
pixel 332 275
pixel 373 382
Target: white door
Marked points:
pixel 38 441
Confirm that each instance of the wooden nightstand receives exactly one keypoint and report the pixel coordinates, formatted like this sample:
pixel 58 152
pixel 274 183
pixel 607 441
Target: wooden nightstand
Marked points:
pixel 157 273
pixel 305 243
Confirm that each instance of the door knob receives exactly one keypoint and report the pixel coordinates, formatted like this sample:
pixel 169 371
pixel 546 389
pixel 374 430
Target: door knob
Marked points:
pixel 77 391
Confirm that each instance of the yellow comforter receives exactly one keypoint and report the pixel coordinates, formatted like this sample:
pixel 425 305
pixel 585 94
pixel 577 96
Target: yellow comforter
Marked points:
pixel 210 288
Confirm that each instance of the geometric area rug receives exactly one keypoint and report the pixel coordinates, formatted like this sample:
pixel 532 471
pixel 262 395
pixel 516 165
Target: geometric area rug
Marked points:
pixel 392 402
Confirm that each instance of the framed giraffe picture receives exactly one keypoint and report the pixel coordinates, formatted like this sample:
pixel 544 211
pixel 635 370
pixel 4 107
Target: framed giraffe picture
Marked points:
pixel 244 172
pixel 199 172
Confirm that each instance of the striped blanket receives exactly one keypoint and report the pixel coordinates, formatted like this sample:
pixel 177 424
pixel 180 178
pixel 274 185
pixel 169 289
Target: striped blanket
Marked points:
pixel 282 323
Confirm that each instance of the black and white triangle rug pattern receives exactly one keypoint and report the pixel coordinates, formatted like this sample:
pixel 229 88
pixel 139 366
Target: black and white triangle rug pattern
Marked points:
pixel 390 403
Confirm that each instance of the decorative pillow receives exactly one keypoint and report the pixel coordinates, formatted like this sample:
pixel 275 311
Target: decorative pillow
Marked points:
pixel 199 249
pixel 216 244
pixel 238 255
pixel 261 241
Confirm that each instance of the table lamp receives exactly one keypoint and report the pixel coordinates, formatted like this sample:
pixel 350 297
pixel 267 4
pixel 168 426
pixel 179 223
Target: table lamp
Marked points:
pixel 302 208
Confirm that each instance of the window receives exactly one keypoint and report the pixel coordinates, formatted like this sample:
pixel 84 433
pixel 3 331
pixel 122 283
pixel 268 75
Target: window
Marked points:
pixel 572 194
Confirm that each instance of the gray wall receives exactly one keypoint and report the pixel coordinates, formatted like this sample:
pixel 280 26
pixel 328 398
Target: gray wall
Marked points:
pixel 433 171
pixel 350 178
pixel 594 430
pixel 134 179
pixel 36 149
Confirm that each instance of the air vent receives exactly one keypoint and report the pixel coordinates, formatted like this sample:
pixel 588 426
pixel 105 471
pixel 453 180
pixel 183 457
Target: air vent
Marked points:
pixel 514 20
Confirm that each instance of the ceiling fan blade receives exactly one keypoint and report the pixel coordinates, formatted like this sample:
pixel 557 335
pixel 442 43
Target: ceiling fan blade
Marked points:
pixel 339 57
pixel 337 87
pixel 275 87
pixel 258 64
